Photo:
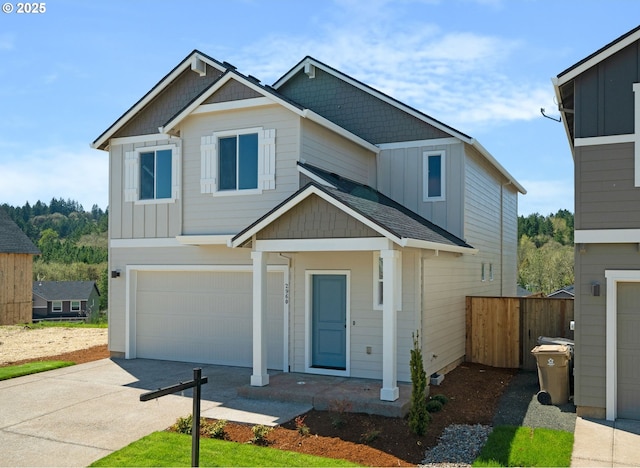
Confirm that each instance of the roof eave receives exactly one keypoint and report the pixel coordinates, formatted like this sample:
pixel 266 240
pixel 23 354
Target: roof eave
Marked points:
pixel 476 144
pixel 430 245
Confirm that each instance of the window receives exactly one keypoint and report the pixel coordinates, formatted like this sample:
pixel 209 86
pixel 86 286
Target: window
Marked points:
pixel 490 271
pixel 75 306
pixel 56 306
pixel 378 281
pixel 482 275
pixel 155 174
pixel 238 162
pixel 433 167
pixel 152 174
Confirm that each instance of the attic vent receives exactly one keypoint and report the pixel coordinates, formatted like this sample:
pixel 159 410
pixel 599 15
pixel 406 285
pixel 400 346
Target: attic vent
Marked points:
pixel 199 66
pixel 228 65
pixel 310 70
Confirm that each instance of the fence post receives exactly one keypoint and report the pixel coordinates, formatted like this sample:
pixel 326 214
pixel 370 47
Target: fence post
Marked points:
pixel 195 428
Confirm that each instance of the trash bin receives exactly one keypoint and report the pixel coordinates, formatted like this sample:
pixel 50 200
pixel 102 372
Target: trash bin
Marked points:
pixel 565 341
pixel 553 373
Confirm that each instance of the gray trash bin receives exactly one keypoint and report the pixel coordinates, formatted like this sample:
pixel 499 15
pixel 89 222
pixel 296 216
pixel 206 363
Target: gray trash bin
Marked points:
pixel 553 373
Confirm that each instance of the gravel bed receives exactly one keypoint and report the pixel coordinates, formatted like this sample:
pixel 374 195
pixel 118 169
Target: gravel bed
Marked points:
pixel 459 445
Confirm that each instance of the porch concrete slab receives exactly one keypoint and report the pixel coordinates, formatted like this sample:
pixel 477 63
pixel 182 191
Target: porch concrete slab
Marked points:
pixel 600 443
pixel 326 392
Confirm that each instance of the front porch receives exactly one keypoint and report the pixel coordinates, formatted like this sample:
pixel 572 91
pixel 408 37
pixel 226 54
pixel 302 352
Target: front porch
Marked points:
pixel 326 392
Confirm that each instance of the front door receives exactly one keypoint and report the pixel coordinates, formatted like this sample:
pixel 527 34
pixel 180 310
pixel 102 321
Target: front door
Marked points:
pixel 329 321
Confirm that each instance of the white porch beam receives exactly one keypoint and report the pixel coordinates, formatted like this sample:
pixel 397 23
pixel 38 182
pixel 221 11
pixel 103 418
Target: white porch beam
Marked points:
pixel 259 378
pixel 389 390
pixel 323 245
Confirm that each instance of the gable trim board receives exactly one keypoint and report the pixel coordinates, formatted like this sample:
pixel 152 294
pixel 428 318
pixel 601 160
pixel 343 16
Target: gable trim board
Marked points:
pixel 153 92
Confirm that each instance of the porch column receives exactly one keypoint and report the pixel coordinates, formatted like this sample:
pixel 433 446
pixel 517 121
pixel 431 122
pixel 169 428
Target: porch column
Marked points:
pixel 389 390
pixel 259 378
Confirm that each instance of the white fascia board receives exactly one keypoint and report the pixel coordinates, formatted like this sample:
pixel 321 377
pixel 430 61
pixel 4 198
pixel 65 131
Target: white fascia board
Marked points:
pixel 317 118
pixel 556 89
pixel 372 91
pixel 493 161
pixel 605 140
pixel 415 143
pixel 186 64
pixel 607 236
pixel 618 46
pixel 217 85
pixel 142 138
pixel 232 105
pixel 221 239
pixel 140 243
pixel 314 177
pixel 323 245
pixel 302 196
pixel 429 245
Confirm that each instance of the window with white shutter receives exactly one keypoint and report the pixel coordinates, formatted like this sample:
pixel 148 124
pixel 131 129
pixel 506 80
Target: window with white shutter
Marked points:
pixel 152 174
pixel 238 162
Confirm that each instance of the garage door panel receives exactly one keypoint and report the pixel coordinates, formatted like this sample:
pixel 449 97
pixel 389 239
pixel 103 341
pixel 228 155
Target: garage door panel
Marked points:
pixel 205 317
pixel 628 353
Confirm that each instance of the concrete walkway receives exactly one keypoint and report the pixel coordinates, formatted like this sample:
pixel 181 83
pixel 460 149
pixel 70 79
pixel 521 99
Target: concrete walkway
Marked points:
pixel 600 443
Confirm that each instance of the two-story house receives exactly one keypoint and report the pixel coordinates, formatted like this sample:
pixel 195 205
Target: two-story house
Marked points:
pixel 310 226
pixel 599 99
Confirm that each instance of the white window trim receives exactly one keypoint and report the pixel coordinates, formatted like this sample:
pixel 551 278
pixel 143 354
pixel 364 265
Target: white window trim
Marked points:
pixel 425 175
pixel 266 162
pixel 54 308
pixel 377 305
pixel 132 174
pixel 75 309
pixel 636 130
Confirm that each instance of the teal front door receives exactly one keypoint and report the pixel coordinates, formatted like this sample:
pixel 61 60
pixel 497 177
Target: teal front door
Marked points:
pixel 329 322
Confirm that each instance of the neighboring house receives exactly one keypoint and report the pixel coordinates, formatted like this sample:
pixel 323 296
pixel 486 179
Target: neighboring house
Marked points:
pixel 16 270
pixel 58 299
pixel 310 226
pixel 563 293
pixel 599 98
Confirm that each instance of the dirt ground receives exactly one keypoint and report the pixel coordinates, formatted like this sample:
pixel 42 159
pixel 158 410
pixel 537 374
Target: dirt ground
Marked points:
pixel 473 391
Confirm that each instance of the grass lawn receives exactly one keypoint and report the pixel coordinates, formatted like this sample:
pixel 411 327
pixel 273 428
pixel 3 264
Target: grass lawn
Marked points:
pixel 172 449
pixel 10 372
pixel 524 446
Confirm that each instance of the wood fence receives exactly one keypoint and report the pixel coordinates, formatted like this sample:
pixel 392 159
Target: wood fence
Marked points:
pixel 502 331
pixel 16 288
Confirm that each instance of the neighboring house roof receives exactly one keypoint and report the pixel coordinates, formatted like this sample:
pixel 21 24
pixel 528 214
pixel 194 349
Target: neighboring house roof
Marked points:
pixel 522 292
pixel 382 214
pixel 64 290
pixel 563 83
pixel 13 239
pixel 566 292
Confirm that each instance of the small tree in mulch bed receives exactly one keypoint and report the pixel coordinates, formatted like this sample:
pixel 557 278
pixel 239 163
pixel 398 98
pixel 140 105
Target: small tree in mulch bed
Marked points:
pixel 418 415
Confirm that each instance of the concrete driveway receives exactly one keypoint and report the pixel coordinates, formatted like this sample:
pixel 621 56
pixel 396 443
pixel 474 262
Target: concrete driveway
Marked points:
pixel 79 414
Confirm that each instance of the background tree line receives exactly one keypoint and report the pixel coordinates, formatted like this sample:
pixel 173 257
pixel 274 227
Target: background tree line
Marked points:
pixel 545 251
pixel 73 241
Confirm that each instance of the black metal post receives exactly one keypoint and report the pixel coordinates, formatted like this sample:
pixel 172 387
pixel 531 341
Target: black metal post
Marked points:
pixel 195 428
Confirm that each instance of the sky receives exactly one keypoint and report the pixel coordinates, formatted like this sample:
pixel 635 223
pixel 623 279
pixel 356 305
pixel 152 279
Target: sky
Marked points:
pixel 483 67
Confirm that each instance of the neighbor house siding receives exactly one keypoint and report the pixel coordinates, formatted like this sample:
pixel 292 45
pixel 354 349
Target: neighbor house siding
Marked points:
pixel 400 177
pixel 331 152
pixel 606 197
pixel 604 102
pixel 128 220
pixel 590 316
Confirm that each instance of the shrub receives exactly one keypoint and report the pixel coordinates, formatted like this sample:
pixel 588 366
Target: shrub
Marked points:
pixel 370 435
pixel 418 415
pixel 260 433
pixel 433 406
pixel 441 398
pixel 184 424
pixel 215 430
pixel 339 408
pixel 302 428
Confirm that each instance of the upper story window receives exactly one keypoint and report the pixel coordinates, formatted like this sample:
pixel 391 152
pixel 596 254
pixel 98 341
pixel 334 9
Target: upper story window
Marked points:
pixel 152 174
pixel 238 162
pixel 433 167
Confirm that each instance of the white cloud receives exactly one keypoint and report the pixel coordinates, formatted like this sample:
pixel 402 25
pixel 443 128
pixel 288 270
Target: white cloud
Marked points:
pixel 546 196
pixel 56 172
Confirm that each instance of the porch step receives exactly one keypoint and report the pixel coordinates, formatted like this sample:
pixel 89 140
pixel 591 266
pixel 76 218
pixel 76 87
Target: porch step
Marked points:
pixel 328 393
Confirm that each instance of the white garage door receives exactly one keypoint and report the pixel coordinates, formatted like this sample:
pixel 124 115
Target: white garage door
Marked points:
pixel 205 317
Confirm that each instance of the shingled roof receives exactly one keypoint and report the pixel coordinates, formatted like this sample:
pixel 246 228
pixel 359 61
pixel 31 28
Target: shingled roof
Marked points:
pixel 12 239
pixel 64 290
